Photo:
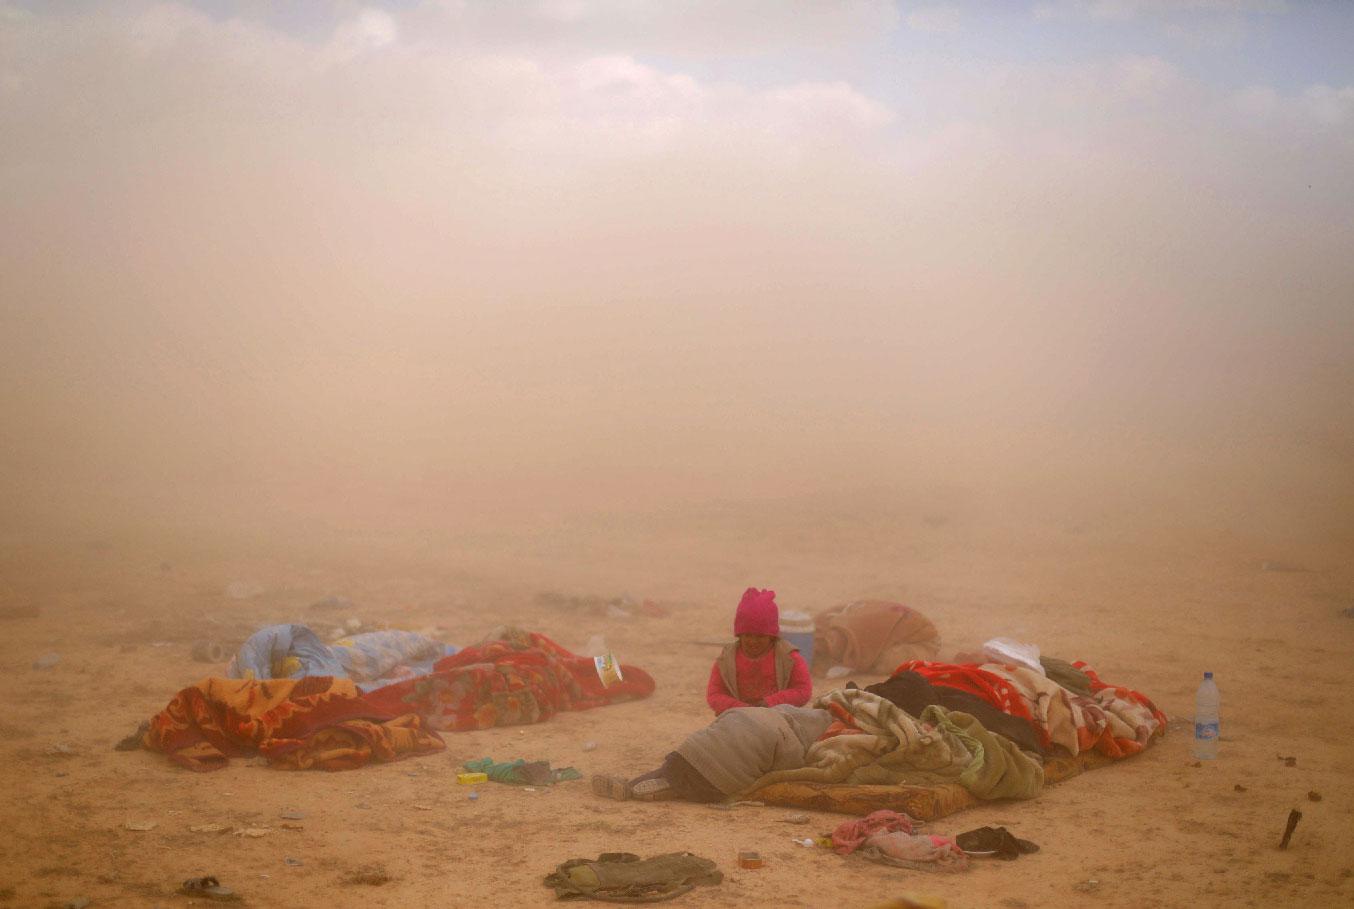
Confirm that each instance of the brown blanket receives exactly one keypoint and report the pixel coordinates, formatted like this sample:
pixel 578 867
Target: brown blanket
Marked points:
pixel 872 636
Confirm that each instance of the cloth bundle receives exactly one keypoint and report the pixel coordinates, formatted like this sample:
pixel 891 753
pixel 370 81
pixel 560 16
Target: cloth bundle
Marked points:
pixel 889 838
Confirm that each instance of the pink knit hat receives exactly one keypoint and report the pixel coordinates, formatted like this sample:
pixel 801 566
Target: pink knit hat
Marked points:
pixel 757 613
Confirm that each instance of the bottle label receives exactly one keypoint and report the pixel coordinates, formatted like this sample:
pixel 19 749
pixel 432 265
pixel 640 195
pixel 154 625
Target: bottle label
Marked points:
pixel 1205 731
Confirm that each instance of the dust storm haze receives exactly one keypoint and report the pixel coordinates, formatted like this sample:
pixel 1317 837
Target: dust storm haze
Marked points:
pixel 583 316
pixel 461 265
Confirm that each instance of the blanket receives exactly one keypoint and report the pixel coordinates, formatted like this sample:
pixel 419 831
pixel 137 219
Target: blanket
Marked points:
pixel 872 636
pixel 372 659
pixel 315 722
pixel 744 743
pixel 887 837
pixel 513 678
pixel 995 690
pixel 914 694
pixel 880 744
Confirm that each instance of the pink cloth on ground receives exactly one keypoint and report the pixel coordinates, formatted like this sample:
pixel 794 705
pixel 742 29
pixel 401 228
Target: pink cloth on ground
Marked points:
pixel 851 835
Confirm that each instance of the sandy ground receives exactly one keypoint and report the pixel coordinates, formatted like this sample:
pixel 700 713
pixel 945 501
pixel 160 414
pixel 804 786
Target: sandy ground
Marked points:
pixel 1150 610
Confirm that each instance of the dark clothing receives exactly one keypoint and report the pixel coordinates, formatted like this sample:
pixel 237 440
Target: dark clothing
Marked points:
pixel 914 694
pixel 687 782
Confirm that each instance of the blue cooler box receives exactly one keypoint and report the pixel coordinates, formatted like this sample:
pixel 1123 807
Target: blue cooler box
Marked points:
pixel 797 628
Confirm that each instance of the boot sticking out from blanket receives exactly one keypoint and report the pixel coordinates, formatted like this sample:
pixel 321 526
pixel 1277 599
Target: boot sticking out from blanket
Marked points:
pixel 651 787
pixel 611 787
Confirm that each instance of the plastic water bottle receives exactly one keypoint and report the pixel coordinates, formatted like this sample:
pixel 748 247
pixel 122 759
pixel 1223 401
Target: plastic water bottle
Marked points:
pixel 1207 700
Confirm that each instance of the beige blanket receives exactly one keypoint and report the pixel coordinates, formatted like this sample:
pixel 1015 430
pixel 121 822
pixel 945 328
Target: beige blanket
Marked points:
pixel 872 636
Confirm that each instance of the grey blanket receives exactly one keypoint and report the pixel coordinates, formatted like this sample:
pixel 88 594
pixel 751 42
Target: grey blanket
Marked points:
pixel 744 744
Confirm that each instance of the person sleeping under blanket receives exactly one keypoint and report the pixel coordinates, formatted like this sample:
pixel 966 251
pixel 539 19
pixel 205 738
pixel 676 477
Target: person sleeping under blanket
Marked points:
pixel 914 694
pixel 726 757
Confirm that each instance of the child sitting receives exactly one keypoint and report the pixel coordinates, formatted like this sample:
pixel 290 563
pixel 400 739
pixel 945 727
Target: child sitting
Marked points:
pixel 760 669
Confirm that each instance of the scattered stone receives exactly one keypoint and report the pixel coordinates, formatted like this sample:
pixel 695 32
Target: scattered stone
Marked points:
pixel 423 807
pixel 292 814
pixel 208 828
pixel 1348 613
pixel 286 825
pixel 1289 761
pixel 293 862
pixel 1313 796
pixel 60 749
pixel 796 819
pixel 1012 902
pixel 1087 886
pixel 47 661
pixel 615 612
pixel 140 825
pixel 1239 788
pixel 1197 764
pixel 251 832
pixel 367 875
pixel 837 672
pixel 79 902
pixel 589 746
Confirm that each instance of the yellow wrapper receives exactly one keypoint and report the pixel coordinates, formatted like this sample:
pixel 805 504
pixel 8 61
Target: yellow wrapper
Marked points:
pixel 608 669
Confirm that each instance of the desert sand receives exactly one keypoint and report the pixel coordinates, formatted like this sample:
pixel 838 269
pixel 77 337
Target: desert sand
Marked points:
pixel 1147 608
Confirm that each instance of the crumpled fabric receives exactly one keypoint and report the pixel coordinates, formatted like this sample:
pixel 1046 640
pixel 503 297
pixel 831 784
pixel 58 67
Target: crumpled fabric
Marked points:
pixel 1133 720
pixel 372 659
pixel 918 851
pixel 518 677
pixel 875 742
pixel 267 652
pixel 851 835
pixel 1050 703
pixel 316 722
pixel 522 772
pixel 890 837
pixel 999 769
pixel 994 689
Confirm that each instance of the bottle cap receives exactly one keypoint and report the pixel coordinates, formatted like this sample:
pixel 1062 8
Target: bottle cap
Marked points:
pixel 1208 675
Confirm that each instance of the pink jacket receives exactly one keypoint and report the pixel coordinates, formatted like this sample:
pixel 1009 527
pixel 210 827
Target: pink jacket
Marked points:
pixel 756 679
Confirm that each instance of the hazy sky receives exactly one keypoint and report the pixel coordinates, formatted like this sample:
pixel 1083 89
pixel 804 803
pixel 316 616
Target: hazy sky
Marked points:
pixel 594 250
